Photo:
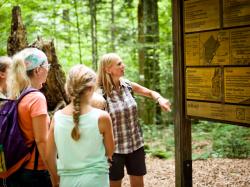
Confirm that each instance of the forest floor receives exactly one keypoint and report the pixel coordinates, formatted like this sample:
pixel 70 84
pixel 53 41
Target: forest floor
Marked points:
pixel 216 172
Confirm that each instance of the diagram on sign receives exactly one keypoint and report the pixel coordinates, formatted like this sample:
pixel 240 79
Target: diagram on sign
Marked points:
pixel 209 49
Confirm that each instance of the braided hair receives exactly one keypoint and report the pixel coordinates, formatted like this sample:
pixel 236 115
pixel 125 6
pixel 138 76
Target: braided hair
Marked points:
pixel 79 80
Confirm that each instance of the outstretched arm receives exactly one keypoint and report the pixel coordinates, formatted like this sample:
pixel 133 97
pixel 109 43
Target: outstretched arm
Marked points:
pixel 143 91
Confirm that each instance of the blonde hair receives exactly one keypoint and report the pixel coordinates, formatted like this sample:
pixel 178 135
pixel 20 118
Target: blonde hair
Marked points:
pixel 19 77
pixel 79 80
pixel 104 80
pixel 5 62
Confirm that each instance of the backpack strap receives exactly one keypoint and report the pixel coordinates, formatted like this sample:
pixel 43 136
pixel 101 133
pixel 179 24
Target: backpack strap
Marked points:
pixel 25 92
pixel 36 158
pixel 129 86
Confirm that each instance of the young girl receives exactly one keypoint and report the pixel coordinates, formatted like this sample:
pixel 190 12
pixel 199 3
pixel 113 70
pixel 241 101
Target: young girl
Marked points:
pixel 5 63
pixel 122 108
pixel 30 69
pixel 80 135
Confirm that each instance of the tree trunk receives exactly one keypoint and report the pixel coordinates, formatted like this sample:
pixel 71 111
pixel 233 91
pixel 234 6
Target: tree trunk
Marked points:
pixel 17 39
pixel 54 18
pixel 112 26
pixel 92 5
pixel 78 31
pixel 141 58
pixel 53 89
pixel 149 55
pixel 67 27
pixel 141 41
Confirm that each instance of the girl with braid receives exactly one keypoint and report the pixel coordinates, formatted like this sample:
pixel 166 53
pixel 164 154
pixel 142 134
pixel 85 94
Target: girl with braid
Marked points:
pixel 80 138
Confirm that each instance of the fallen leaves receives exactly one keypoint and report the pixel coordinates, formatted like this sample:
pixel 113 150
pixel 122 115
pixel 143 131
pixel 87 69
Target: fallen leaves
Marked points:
pixel 216 172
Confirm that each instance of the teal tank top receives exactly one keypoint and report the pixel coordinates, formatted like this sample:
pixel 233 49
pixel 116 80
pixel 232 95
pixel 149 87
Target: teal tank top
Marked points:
pixel 87 155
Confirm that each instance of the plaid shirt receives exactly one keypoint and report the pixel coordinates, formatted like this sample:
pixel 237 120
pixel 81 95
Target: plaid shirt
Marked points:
pixel 122 108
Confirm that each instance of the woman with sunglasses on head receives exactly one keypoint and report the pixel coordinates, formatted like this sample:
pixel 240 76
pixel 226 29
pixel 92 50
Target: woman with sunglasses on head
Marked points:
pixel 29 70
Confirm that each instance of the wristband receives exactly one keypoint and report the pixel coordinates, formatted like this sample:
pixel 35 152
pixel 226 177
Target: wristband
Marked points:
pixel 157 99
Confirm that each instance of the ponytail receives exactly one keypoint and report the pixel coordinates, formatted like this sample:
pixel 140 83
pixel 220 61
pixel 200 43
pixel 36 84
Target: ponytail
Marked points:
pixel 17 79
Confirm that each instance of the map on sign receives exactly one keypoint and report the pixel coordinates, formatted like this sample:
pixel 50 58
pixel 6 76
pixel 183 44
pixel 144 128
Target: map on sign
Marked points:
pixel 203 84
pixel 217 59
pixel 209 49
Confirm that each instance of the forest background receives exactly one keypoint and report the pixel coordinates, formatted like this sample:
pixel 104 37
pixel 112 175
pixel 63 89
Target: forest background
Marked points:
pixel 141 33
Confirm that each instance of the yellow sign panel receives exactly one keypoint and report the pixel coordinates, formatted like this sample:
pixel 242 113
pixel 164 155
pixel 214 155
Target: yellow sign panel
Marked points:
pixel 217 62
pixel 207 48
pixel 237 85
pixel 240 46
pixel 201 15
pixel 224 47
pixel 236 13
pixel 232 113
pixel 203 84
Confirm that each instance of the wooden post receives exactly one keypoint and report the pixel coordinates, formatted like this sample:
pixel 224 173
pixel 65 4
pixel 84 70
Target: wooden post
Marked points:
pixel 183 151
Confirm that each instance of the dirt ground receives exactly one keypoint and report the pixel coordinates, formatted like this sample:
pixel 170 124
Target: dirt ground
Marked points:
pixel 206 173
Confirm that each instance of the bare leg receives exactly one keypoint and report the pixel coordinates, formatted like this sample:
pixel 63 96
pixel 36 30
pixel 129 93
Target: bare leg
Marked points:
pixel 115 183
pixel 136 181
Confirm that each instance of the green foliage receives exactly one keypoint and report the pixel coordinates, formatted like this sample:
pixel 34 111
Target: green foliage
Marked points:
pixel 220 140
pixel 159 140
pixel 208 140
pixel 46 19
pixel 231 141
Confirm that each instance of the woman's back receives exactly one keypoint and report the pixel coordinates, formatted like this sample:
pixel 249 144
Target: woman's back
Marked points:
pixel 86 155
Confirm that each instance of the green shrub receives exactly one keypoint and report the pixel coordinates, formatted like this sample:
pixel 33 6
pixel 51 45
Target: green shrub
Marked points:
pixel 231 141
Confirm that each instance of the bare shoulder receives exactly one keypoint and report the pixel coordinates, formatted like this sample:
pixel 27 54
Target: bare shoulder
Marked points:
pixel 104 116
pixel 104 121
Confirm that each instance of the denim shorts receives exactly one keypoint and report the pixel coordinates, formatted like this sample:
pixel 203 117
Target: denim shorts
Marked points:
pixel 134 163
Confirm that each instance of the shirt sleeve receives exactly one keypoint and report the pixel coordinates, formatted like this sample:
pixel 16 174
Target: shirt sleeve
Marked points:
pixel 38 104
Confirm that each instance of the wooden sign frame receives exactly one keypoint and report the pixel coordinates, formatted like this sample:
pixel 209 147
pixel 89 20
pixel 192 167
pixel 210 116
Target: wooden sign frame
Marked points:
pixel 218 49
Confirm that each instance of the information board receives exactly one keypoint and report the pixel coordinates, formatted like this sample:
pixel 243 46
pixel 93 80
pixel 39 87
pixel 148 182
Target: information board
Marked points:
pixel 201 15
pixel 222 47
pixel 207 48
pixel 240 46
pixel 236 13
pixel 203 84
pixel 217 59
pixel 237 85
pixel 223 112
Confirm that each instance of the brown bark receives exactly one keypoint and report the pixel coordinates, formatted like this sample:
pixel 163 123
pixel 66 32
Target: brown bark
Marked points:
pixel 148 37
pixel 113 25
pixel 92 11
pixel 53 89
pixel 18 37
